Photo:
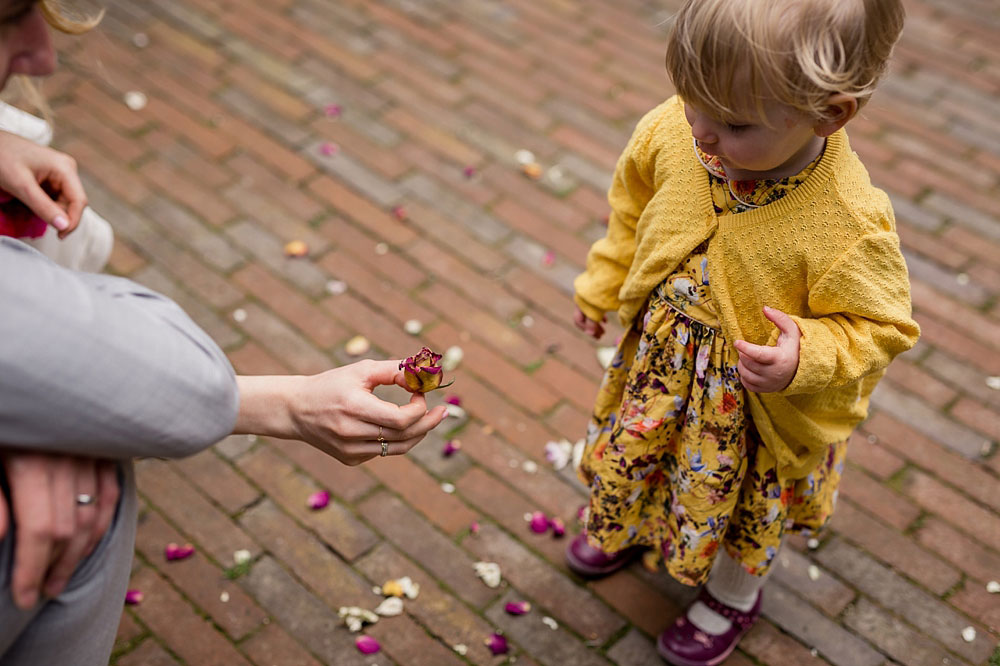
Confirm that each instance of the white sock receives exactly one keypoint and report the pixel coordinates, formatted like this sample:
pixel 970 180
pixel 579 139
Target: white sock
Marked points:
pixel 730 583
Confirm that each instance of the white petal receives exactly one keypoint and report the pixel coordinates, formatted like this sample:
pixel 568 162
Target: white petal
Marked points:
pixel 452 357
pixel 489 572
pixel 241 556
pixel 993 587
pixel 413 327
pixel 968 634
pixel 529 466
pixel 389 607
pixel 135 100
pixel 813 572
pixel 448 487
pixel 550 623
pixel 605 355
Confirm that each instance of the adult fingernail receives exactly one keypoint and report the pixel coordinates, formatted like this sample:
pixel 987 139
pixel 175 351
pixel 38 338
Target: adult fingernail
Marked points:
pixel 60 222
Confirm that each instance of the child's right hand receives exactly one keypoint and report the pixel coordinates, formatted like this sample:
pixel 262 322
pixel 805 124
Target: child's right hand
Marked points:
pixel 44 180
pixel 594 329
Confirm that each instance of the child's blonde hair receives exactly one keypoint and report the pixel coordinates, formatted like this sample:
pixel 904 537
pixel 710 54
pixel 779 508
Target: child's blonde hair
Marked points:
pixel 797 52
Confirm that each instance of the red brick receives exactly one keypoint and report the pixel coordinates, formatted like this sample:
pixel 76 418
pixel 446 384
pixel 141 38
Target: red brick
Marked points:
pixel 252 359
pixel 149 653
pixel 434 138
pixel 974 559
pixel 887 504
pixel 569 383
pixel 218 480
pixel 876 459
pixel 361 211
pixel 978 416
pixel 124 260
pixel 648 609
pixel 915 379
pixel 982 524
pixel 205 203
pixel 347 483
pixel 273 646
pixel 535 226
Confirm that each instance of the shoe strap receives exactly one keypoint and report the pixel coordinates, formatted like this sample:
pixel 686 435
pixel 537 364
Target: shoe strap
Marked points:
pixel 738 617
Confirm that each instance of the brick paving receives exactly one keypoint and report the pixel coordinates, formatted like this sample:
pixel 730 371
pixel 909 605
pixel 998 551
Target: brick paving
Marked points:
pixel 225 164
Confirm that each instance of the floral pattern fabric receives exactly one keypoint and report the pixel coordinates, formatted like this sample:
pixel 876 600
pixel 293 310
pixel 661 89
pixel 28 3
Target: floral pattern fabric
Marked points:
pixel 671 455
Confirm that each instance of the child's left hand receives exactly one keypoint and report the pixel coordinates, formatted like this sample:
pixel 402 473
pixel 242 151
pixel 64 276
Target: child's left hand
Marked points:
pixel 766 369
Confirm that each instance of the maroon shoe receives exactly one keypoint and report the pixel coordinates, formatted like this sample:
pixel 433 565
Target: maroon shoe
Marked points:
pixel 588 561
pixel 684 644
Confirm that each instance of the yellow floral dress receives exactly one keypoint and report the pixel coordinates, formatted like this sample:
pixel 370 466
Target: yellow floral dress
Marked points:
pixel 670 453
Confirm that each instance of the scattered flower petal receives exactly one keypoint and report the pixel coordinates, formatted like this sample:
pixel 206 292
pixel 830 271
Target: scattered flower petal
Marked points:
pixel 497 644
pixel 524 156
pixel 517 607
pixel 532 171
pixel 413 326
pixel 550 623
pixel 489 572
pixel 450 447
pixel 539 523
pixel 318 500
pixel 474 529
pixel 390 607
pixel 453 399
pixel 469 172
pixel 422 372
pixel 332 110
pixel 993 587
pixel 140 40
pixel 392 588
pixel 558 453
pixel 328 149
pixel 812 544
pixel 296 248
pixel 814 652
pixel 239 315
pixel 241 556
pixel 410 589
pixel 558 527
pixel 224 597
pixel 549 258
pixel 381 249
pixel 460 648
pixel 962 278
pixel 993 382
pixel 969 634
pixel 399 213
pixel 578 453
pixel 174 552
pixel 367 645
pixel 555 173
pixel 529 466
pixel 813 572
pixel 527 321
pixel 448 487
pixel 356 617
pixel 454 411
pixel 605 355
pixel 336 287
pixel 136 100
pixel 133 597
pixel 452 357
pixel 357 345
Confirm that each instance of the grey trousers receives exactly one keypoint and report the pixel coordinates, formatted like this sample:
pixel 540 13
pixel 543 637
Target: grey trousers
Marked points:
pixel 78 627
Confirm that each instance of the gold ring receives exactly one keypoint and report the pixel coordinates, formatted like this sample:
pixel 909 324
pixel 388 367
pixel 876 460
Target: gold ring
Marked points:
pixel 385 448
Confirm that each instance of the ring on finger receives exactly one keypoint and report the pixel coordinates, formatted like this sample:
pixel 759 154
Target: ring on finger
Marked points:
pixel 385 444
pixel 84 499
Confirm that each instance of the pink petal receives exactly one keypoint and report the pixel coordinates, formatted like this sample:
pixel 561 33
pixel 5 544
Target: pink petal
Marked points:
pixel 327 149
pixel 549 258
pixel 469 171
pixel 517 607
pixel 318 500
pixel 453 400
pixel 474 527
pixel 581 511
pixel 558 527
pixel 133 597
pixel 175 552
pixel 539 523
pixel 332 110
pixel 450 447
pixel 497 644
pixel 399 213
pixel 367 645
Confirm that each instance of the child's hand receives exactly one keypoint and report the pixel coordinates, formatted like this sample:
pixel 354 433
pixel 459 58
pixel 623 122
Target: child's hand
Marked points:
pixel 766 369
pixel 592 328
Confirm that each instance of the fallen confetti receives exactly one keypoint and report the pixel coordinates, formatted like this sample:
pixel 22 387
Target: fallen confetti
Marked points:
pixel 357 345
pixel 136 100
pixel 296 248
pixel 318 500
pixel 993 383
pixel 812 544
pixel 474 527
pixel 133 597
pixel 224 597
pixel 529 466
pixel 399 213
pixel 469 172
pixel 489 572
pixel 367 645
pixel 381 249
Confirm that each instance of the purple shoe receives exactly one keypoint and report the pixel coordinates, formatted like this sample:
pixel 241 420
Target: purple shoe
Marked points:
pixel 588 561
pixel 684 644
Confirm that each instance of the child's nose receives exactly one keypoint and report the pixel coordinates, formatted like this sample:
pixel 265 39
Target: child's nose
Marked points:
pixel 702 130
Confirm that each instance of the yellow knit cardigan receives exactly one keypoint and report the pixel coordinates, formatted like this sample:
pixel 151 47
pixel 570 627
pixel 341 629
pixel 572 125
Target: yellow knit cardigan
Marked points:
pixel 827 254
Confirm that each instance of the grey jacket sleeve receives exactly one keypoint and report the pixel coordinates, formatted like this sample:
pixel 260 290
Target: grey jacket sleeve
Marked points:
pixel 100 366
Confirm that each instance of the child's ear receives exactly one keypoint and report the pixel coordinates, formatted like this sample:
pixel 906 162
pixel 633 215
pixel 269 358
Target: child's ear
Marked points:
pixel 839 109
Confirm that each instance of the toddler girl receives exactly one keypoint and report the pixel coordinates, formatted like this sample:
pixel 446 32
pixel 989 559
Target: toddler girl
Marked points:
pixel 758 275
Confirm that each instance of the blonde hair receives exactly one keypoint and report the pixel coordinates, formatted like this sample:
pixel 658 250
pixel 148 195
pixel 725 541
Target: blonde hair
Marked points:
pixel 797 52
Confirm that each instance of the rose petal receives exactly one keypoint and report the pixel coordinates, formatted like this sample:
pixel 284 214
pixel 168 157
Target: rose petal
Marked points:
pixel 993 587
pixel 524 156
pixel 605 355
pixel 558 453
pixel 413 326
pixel 448 487
pixel 327 149
pixel 539 523
pixel 136 100
pixel 532 171
pixel 241 556
pixel 517 607
pixel 469 171
pixel 460 648
pixel 318 500
pixel 357 345
pixel 474 529
pixel 969 634
pixel 489 572
pixel 450 447
pixel 558 527
pixel 452 357
pixel 390 607
pixel 399 213
pixel 813 572
pixel 133 597
pixel 497 644
pixel 548 258
pixel 529 466
pixel 332 110
pixel 550 623
pixel 174 552
pixel 392 588
pixel 453 399
pixel 367 645
pixel 296 248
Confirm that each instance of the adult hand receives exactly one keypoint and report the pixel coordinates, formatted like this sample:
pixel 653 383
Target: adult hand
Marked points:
pixel 44 180
pixel 336 411
pixel 54 531
pixel 594 329
pixel 766 369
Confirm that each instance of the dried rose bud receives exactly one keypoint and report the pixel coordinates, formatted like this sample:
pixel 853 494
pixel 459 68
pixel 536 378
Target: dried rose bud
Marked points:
pixel 422 372
pixel 517 607
pixel 452 399
pixel 497 644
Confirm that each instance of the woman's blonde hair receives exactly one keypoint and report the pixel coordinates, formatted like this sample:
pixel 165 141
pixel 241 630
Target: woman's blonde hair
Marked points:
pixel 797 52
